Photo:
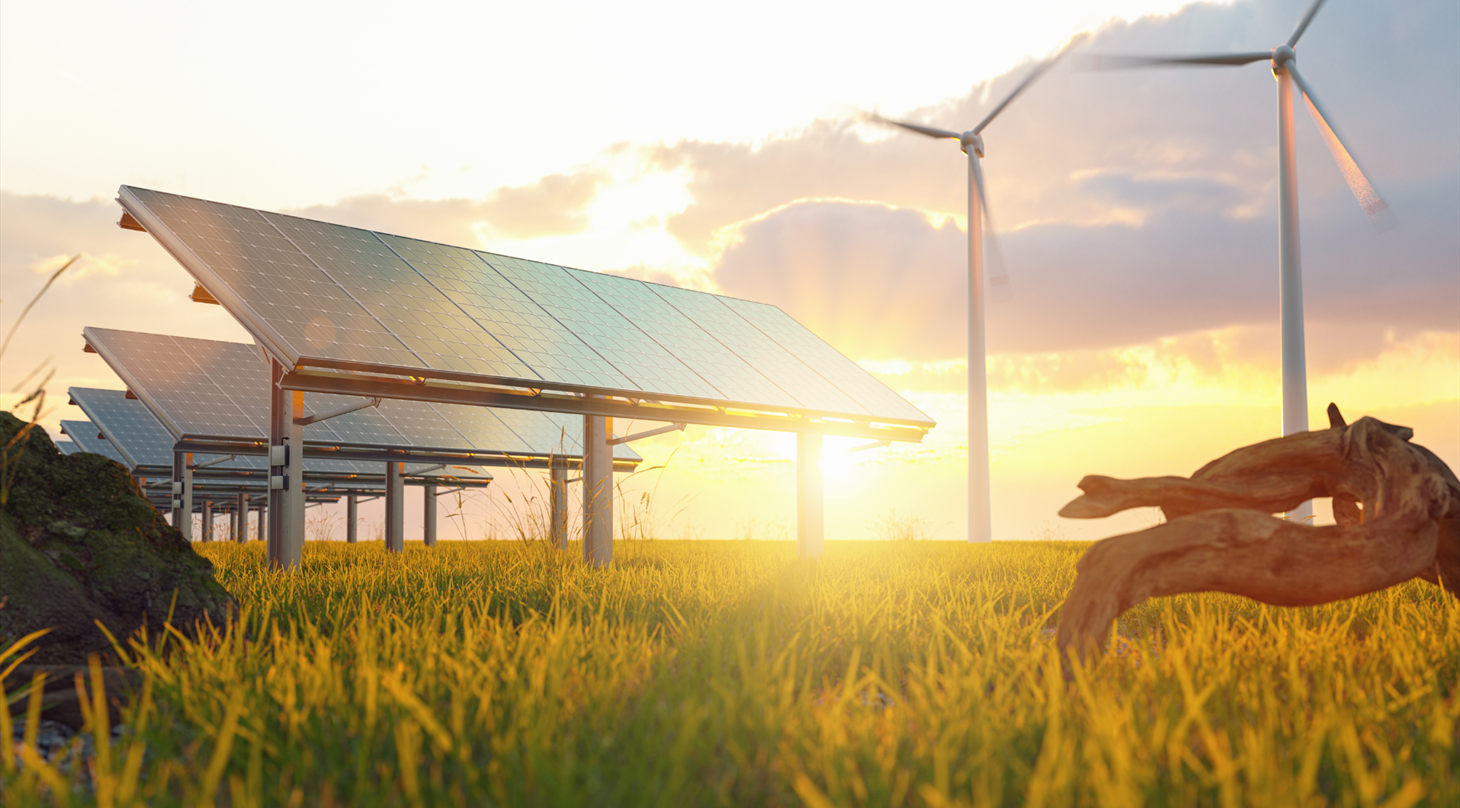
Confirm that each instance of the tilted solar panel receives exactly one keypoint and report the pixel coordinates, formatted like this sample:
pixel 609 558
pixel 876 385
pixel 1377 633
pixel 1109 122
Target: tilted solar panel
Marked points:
pixel 86 438
pixel 137 433
pixel 67 447
pixel 229 379
pixel 329 296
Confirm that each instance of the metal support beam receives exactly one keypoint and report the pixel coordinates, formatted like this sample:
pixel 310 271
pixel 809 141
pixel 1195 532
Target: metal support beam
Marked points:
pixel 336 412
pixel 207 520
pixel 286 474
pixel 597 491
pixel 810 502
pixel 648 433
pixel 558 503
pixel 241 535
pixel 395 508
pixel 707 413
pixel 352 519
pixel 428 501
pixel 182 494
pixel 261 533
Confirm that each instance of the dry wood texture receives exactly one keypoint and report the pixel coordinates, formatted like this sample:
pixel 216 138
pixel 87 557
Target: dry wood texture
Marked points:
pixel 1397 506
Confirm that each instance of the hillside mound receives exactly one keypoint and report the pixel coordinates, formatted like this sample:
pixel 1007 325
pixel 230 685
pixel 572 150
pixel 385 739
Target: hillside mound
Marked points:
pixel 79 543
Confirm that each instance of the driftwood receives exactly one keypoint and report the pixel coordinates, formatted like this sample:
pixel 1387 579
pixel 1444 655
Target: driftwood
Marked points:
pixel 1397 506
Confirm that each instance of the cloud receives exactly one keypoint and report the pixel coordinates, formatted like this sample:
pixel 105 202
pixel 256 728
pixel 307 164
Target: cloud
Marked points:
pixel 1132 205
pixel 885 283
pixel 555 205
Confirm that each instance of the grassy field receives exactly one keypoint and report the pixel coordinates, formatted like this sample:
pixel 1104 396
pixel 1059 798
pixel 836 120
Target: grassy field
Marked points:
pixel 732 673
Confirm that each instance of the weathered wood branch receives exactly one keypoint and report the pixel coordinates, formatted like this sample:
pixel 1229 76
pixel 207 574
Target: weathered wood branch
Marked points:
pixel 1221 536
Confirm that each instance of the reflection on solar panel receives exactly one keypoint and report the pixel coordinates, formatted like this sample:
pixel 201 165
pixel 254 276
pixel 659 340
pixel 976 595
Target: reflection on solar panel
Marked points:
pixel 327 296
pixel 223 386
pixel 86 438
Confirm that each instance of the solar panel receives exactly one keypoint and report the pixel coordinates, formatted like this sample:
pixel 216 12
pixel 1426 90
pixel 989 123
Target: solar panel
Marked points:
pixel 825 360
pixel 545 348
pixel 330 296
pixel 277 281
pixel 66 447
pixel 733 378
pixel 135 432
pixel 85 437
pixel 230 377
pixel 589 317
pixel 721 322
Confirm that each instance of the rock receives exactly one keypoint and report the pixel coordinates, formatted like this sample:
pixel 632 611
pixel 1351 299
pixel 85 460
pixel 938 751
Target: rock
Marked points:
pixel 79 543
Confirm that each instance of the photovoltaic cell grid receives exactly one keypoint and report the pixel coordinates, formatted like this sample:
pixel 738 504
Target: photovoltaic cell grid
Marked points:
pixel 66 447
pixel 84 435
pixel 337 295
pixel 232 377
pixel 137 433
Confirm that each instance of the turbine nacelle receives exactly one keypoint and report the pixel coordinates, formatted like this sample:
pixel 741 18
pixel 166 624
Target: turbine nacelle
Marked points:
pixel 1282 56
pixel 973 139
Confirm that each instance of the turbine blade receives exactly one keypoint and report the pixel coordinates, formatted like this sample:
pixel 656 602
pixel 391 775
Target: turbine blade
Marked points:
pixel 1039 70
pixel 1114 61
pixel 1380 216
pixel 1303 23
pixel 996 272
pixel 913 127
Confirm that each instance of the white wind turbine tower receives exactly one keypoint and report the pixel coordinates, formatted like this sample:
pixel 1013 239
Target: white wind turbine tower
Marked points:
pixel 1290 276
pixel 980 527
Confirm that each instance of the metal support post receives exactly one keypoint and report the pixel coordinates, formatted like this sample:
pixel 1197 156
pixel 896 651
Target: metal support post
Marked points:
pixel 558 502
pixel 810 499
pixel 241 535
pixel 352 519
pixel 395 507
pixel 286 474
pixel 182 494
pixel 597 490
pixel 207 520
pixel 428 499
pixel 262 530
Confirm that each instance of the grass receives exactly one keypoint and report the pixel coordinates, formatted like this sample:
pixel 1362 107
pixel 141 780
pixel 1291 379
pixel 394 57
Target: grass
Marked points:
pixel 732 673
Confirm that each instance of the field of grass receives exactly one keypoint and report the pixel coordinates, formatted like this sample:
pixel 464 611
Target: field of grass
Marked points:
pixel 732 673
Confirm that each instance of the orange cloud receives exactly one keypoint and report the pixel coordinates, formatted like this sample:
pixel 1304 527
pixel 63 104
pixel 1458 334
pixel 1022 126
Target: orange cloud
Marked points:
pixel 555 205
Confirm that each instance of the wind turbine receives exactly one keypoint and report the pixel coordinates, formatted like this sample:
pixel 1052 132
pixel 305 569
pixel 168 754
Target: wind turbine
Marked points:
pixel 980 526
pixel 1290 276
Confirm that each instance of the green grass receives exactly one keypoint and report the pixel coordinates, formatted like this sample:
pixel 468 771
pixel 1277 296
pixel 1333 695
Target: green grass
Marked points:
pixel 732 673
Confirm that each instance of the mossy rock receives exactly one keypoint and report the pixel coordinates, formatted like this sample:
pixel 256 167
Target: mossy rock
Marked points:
pixel 79 543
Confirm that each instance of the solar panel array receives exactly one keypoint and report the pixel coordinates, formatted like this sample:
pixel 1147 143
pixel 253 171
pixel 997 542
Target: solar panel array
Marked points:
pixel 219 390
pixel 347 297
pixel 135 433
pixel 67 447
pixel 85 437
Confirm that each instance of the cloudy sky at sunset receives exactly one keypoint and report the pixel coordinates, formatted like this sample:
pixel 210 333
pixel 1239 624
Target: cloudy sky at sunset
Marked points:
pixel 1136 211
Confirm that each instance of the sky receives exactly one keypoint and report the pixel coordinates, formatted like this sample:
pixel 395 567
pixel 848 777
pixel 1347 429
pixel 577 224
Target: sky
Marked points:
pixel 722 150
